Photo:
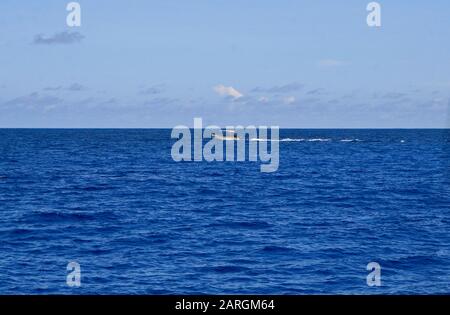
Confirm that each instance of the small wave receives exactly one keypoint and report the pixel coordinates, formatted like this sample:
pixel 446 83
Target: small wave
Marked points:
pixel 18 231
pixel 258 139
pixel 277 249
pixel 293 140
pixel 253 224
pixel 309 140
pixel 58 215
pixel 443 253
pixel 350 140
pixel 319 140
pixel 95 188
pixel 207 191
pixel 241 224
pixel 229 269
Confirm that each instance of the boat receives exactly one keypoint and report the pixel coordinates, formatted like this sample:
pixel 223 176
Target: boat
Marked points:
pixel 230 135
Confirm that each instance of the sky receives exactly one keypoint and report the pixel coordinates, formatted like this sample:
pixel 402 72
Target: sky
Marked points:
pixel 160 63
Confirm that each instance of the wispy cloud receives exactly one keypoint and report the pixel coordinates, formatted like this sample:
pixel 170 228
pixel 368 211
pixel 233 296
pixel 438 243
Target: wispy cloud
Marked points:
pixel 58 38
pixel 34 99
pixel 394 95
pixel 53 88
pixel 318 91
pixel 153 90
pixel 227 91
pixel 287 88
pixel 75 87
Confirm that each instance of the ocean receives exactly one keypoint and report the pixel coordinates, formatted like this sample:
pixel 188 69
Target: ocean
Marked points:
pixel 136 222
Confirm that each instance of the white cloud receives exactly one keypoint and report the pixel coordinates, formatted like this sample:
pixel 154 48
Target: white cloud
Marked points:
pixel 289 100
pixel 227 91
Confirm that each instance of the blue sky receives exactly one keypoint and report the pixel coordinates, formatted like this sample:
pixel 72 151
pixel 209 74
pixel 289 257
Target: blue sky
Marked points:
pixel 303 64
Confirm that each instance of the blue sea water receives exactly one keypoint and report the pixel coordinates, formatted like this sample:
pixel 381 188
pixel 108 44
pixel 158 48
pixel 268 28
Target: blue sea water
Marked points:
pixel 139 223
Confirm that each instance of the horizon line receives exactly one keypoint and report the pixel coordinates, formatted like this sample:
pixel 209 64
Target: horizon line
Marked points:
pixel 169 128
